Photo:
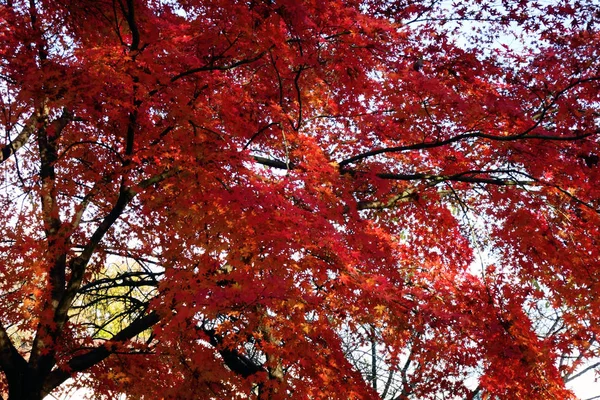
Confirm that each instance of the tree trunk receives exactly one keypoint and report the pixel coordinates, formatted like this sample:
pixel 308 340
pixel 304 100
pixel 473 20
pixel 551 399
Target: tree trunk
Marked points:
pixel 25 386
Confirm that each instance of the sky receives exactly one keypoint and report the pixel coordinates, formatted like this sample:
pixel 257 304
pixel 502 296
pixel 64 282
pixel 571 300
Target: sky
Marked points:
pixel 586 387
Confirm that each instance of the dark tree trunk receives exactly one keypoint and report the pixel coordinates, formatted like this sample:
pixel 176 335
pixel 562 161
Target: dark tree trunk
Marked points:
pixel 25 386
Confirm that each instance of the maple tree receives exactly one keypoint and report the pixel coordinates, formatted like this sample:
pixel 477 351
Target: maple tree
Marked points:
pixel 236 199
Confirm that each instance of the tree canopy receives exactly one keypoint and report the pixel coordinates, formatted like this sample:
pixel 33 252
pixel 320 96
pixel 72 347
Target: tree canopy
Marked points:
pixel 280 199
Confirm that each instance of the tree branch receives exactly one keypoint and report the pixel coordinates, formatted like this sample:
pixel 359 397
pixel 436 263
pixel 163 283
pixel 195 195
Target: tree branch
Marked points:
pixel 212 67
pixel 135 33
pixel 138 278
pixel 56 237
pixel 84 361
pixel 21 139
pixel 586 369
pixel 407 195
pixel 458 138
pixel 130 17
pixel 261 130
pixel 273 163
pixel 235 361
pixel 11 362
pixel 466 176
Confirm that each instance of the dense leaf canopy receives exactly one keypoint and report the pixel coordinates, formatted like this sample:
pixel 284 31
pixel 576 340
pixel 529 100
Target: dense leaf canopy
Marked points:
pixel 299 199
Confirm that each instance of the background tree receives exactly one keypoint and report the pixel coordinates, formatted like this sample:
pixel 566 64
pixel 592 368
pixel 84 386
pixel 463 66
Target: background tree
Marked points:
pixel 281 175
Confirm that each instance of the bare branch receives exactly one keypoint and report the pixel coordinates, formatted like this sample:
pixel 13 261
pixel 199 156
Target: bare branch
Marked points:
pixel 586 369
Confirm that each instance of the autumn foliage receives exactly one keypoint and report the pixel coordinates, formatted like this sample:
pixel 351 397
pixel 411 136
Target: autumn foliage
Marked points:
pixel 286 199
